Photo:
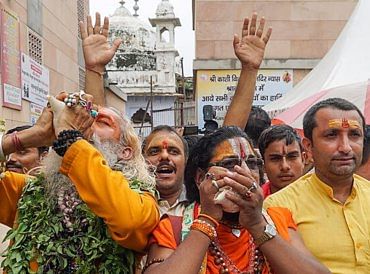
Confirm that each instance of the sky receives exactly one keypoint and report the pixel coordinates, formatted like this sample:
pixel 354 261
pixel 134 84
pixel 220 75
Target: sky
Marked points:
pixel 184 35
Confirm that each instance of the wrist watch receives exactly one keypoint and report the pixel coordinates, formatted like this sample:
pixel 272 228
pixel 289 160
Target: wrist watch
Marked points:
pixel 269 231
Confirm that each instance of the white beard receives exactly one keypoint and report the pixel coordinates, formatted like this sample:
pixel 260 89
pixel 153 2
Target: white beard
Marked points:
pixel 57 183
pixel 108 149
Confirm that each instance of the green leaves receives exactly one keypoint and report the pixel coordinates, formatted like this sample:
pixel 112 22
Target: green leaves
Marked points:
pixel 41 237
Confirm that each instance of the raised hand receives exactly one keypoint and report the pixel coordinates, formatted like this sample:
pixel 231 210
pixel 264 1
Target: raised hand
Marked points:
pixel 250 48
pixel 96 48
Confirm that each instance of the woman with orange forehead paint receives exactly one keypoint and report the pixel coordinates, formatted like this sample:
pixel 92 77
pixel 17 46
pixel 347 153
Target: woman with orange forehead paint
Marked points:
pixel 224 230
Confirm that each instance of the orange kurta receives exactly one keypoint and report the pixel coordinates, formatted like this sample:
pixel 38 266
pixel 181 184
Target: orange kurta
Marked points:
pixel 234 247
pixel 130 216
pixel 11 187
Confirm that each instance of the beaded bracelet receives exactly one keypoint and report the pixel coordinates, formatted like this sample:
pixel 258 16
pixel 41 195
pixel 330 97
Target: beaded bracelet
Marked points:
pixel 65 139
pixel 205 228
pixel 213 220
pixel 154 261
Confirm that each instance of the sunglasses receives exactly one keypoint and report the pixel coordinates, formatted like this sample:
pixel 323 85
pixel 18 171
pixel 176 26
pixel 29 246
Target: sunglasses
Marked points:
pixel 229 163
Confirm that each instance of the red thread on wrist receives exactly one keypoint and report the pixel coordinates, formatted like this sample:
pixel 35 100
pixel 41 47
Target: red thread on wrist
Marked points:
pixel 16 142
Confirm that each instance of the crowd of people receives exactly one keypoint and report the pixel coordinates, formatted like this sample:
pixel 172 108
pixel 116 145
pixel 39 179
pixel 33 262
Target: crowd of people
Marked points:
pixel 83 194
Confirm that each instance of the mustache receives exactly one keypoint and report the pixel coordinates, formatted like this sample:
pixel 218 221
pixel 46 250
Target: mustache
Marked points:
pixel 14 165
pixel 344 156
pixel 165 163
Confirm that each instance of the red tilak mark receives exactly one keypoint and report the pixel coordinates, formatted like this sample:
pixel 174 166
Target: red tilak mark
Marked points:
pixel 165 144
pixel 242 152
pixel 345 123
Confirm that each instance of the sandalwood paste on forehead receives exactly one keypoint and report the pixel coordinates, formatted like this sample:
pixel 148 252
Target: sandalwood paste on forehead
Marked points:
pixel 344 123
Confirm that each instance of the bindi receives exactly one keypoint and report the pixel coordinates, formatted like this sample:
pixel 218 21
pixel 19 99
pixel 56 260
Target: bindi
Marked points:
pixel 344 123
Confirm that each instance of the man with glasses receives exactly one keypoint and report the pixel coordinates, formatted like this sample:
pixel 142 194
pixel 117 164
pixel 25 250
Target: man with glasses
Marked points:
pixel 253 162
pixel 282 152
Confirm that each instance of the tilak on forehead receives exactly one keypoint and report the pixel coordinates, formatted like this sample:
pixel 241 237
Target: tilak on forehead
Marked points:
pixel 165 144
pixel 344 123
pixel 231 147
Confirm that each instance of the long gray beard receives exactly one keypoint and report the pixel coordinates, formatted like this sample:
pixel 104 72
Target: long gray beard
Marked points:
pixel 60 191
pixel 57 183
pixel 109 151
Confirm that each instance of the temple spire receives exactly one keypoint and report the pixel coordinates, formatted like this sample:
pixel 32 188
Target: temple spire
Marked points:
pixel 136 8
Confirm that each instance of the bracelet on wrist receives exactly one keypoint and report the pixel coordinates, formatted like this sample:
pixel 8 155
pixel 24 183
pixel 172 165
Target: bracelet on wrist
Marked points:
pixel 213 220
pixel 65 139
pixel 204 227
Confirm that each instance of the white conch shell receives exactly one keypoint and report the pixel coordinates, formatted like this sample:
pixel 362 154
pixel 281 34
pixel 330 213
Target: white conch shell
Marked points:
pixel 57 107
pixel 227 205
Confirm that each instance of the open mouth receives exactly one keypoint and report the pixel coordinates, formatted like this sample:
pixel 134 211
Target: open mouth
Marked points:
pixel 165 169
pixel 14 168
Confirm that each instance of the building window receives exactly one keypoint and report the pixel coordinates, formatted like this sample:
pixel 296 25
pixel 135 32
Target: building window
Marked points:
pixel 165 35
pixel 35 46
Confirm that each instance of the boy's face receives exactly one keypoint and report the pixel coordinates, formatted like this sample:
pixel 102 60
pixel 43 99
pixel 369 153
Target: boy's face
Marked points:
pixel 283 163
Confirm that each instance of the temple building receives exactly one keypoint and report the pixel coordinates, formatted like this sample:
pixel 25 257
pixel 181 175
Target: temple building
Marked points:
pixel 145 66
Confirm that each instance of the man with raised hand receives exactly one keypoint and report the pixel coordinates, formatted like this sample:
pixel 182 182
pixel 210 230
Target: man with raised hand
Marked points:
pixel 92 207
pixel 249 49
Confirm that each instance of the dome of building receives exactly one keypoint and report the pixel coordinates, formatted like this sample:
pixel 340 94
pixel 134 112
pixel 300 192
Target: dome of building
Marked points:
pixel 165 10
pixel 136 51
pixel 122 11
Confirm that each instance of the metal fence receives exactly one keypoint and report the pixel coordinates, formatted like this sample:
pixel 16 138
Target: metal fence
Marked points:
pixel 180 114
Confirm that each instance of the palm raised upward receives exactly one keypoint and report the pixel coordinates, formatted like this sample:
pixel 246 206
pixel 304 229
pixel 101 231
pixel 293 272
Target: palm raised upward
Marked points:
pixel 250 49
pixel 96 48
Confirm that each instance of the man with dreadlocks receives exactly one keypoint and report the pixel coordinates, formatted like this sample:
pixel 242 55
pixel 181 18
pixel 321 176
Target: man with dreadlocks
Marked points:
pixel 84 213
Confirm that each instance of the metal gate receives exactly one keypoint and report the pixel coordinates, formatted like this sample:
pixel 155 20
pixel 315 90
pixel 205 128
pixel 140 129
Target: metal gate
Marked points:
pixel 182 116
